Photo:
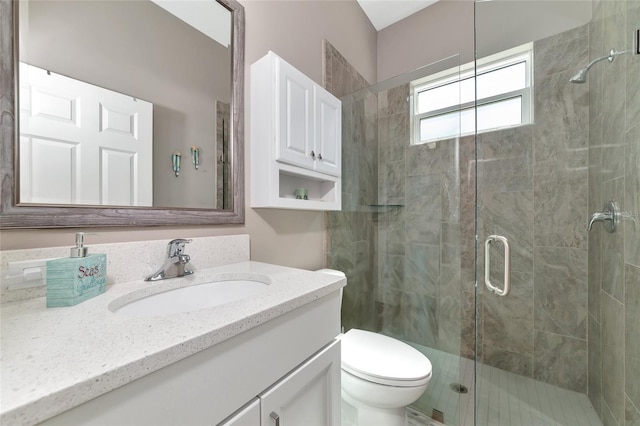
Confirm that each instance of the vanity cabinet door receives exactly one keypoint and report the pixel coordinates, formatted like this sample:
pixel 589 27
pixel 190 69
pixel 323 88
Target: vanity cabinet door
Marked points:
pixel 247 416
pixel 294 116
pixel 309 396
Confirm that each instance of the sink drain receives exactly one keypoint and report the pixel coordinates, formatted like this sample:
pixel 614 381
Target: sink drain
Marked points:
pixel 459 388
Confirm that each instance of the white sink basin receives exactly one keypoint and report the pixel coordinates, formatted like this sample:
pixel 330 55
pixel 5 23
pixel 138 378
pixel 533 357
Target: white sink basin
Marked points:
pixel 189 298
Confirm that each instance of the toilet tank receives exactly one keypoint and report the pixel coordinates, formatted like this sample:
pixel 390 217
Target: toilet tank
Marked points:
pixel 338 274
pixel 332 272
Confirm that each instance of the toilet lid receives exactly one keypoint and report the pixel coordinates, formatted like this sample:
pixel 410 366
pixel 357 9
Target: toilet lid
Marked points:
pixel 382 359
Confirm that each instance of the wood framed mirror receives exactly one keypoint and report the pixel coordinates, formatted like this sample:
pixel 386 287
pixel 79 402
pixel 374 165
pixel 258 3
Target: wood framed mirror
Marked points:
pixel 169 203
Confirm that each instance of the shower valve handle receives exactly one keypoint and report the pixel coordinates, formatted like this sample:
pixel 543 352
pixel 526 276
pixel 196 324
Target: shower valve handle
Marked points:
pixel 600 217
pixel 609 217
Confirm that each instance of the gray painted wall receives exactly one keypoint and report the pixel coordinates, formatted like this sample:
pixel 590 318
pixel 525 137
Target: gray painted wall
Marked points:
pixel 445 29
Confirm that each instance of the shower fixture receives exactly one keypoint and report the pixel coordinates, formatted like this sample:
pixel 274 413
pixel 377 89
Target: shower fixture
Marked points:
pixel 581 76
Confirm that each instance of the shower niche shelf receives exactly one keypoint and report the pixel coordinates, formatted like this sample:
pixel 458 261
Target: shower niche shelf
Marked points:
pixel 384 207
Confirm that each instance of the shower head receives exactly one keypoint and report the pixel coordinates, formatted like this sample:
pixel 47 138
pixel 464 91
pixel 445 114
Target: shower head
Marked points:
pixel 581 76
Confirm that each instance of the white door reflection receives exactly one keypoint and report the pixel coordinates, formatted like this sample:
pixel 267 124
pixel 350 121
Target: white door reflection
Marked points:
pixel 82 144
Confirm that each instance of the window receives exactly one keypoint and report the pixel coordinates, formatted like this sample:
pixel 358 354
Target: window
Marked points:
pixel 443 104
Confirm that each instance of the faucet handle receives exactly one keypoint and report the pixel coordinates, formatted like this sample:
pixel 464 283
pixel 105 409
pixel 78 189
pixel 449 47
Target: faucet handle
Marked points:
pixel 599 217
pixel 176 247
pixel 609 216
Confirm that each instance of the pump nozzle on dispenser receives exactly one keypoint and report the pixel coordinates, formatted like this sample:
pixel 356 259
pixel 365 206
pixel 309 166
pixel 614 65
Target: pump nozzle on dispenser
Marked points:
pixel 80 250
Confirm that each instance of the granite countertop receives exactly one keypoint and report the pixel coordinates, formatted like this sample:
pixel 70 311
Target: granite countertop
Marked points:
pixel 58 358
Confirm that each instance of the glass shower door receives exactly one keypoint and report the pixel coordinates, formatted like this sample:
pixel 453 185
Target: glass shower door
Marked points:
pixel 418 292
pixel 398 237
pixel 552 350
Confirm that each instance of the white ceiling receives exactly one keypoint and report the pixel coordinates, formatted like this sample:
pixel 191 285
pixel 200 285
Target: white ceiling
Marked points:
pixel 383 13
pixel 210 18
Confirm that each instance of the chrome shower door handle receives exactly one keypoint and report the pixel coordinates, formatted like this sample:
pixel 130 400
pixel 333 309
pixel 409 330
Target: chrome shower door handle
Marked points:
pixel 507 265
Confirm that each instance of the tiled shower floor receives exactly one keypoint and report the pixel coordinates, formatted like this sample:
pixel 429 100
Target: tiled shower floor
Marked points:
pixel 506 399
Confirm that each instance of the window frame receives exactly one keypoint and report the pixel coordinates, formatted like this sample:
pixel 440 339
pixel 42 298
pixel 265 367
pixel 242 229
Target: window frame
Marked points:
pixel 516 55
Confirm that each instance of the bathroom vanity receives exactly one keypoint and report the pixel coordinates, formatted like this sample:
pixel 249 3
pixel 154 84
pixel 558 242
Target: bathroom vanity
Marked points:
pixel 254 361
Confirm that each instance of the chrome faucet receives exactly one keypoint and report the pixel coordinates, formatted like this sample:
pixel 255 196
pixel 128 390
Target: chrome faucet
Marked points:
pixel 174 264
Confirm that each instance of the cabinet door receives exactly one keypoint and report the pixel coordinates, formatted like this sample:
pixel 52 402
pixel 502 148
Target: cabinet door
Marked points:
pixel 294 116
pixel 247 416
pixel 309 396
pixel 328 132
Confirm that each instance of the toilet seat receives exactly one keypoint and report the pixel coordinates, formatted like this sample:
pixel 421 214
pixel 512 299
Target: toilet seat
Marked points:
pixel 384 360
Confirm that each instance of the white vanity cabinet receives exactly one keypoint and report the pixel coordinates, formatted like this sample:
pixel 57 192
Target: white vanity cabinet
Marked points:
pixel 246 416
pixel 309 396
pixel 296 138
pixel 289 365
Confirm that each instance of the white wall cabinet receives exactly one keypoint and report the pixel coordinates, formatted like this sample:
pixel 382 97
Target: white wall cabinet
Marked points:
pixel 296 139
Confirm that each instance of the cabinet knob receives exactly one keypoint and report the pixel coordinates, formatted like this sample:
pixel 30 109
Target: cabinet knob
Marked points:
pixel 275 417
pixel 313 155
pixel 319 156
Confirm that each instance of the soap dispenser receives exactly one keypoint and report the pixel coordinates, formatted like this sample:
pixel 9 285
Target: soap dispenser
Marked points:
pixel 74 279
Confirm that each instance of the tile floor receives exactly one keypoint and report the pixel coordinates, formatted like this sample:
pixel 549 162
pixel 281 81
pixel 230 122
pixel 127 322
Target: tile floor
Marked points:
pixel 506 399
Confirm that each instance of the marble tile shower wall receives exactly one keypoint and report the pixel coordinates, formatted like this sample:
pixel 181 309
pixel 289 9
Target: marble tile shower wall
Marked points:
pixel 532 184
pixel 614 174
pixel 351 233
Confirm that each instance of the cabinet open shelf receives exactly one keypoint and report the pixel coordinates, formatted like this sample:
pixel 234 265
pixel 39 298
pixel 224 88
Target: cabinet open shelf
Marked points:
pixel 323 191
pixel 318 189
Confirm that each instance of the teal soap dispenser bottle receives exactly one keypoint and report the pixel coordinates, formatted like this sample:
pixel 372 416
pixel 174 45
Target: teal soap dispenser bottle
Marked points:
pixel 74 279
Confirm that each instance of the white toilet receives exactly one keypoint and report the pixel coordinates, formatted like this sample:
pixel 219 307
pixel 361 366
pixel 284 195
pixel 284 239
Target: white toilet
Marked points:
pixel 380 375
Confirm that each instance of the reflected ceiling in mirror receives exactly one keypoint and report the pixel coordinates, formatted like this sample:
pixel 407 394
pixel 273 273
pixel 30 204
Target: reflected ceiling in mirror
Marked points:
pixel 128 115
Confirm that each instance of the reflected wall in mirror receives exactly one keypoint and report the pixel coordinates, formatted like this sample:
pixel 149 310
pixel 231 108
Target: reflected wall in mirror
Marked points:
pixel 107 92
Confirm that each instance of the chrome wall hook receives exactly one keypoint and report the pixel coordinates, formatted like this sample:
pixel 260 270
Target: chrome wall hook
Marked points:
pixel 175 161
pixel 195 156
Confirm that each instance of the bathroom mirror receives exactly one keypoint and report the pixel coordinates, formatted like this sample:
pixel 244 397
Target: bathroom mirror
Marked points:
pixel 167 66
